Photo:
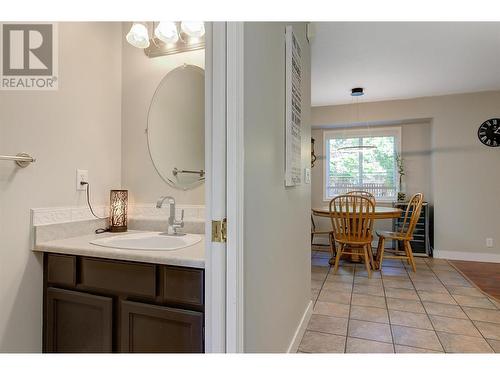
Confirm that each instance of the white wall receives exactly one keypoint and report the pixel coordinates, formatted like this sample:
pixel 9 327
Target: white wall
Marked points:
pixel 77 126
pixel 465 174
pixel 141 76
pixel 277 219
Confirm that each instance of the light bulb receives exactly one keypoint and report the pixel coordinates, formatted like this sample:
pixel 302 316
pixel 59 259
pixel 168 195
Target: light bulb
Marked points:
pixel 138 35
pixel 166 31
pixel 193 29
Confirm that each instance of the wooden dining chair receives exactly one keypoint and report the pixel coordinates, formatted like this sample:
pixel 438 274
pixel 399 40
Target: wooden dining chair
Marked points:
pixel 314 231
pixel 369 195
pixel 352 219
pixel 363 194
pixel 403 234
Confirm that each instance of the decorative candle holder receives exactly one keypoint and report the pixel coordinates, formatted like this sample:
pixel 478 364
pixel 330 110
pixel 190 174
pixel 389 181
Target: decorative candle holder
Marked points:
pixel 313 155
pixel 118 210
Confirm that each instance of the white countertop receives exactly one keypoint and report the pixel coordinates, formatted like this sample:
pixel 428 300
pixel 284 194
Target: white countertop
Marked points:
pixel 191 256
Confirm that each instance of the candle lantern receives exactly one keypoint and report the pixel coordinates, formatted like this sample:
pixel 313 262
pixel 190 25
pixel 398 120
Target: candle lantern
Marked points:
pixel 118 211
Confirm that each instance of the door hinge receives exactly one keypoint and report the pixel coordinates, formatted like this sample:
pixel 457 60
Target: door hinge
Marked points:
pixel 219 230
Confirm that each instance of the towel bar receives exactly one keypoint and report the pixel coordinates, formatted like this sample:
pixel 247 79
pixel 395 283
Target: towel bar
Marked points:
pixel 22 159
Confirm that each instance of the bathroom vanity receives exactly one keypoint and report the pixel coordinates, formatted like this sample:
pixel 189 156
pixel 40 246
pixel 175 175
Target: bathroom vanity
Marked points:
pixel 99 299
pixel 143 290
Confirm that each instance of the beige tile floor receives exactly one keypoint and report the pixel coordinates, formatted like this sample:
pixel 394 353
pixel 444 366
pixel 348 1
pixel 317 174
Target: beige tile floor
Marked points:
pixel 435 310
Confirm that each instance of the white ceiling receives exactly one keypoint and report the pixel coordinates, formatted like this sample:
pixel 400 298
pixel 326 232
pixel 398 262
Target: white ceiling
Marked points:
pixel 402 60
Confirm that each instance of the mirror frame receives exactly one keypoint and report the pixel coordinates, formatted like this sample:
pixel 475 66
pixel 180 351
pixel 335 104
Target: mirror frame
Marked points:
pixel 171 183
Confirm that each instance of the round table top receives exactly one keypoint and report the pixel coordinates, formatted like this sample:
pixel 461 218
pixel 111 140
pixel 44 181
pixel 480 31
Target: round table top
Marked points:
pixel 381 212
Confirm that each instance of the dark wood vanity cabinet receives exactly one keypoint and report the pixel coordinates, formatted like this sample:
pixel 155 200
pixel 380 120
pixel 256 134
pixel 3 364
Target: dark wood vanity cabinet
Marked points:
pixel 94 305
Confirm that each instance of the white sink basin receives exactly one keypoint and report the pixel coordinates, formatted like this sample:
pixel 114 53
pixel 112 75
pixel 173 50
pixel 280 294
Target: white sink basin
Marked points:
pixel 148 241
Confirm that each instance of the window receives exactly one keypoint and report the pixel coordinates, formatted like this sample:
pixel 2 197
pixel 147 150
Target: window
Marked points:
pixel 373 170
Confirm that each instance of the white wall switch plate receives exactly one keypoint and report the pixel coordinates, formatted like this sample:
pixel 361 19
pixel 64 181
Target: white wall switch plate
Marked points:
pixel 489 242
pixel 82 175
pixel 307 175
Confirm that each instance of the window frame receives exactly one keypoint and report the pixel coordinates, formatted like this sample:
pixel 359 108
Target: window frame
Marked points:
pixel 393 131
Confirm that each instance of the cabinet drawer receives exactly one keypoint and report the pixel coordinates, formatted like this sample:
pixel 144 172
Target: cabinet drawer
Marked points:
pixel 123 277
pixel 61 269
pixel 183 286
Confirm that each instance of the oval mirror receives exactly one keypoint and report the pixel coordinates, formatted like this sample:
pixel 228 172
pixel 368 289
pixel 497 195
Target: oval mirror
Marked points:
pixel 176 127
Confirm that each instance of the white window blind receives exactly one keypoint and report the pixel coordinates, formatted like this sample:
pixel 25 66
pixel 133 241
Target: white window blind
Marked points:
pixel 373 170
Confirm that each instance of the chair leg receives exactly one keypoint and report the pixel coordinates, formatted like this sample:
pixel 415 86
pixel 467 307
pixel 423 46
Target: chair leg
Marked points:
pixel 409 253
pixel 332 244
pixel 408 261
pixel 380 252
pixel 337 258
pixel 370 254
pixel 367 261
pixel 333 249
pixel 312 238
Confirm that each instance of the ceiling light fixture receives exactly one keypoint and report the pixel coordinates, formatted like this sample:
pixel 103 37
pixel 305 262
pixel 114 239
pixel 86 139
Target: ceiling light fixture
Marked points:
pixel 138 35
pixel 357 92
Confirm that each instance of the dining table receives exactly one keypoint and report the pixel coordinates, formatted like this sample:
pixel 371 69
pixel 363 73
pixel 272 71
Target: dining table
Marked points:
pixel 380 213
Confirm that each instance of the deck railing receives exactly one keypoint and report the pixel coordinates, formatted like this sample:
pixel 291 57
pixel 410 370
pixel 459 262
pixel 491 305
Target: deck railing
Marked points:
pixel 377 189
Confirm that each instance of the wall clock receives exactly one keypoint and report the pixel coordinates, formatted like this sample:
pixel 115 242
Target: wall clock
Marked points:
pixel 489 132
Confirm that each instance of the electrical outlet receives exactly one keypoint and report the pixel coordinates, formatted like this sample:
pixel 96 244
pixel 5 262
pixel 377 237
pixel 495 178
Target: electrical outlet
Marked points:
pixel 82 175
pixel 489 242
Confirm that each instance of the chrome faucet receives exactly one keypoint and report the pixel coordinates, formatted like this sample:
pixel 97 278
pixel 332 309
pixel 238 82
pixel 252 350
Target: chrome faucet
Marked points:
pixel 173 224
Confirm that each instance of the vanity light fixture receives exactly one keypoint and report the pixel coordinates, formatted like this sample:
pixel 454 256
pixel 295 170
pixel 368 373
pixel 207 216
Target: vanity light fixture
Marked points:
pixel 193 29
pixel 138 35
pixel 167 32
pixel 167 37
pixel 118 210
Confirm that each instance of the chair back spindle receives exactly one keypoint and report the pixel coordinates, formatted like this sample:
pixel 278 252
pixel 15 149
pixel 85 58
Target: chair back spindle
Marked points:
pixel 363 193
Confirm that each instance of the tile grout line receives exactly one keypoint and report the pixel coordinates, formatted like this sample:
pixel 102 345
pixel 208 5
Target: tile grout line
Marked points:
pixel 423 305
pixel 350 307
pixel 461 308
pixel 387 307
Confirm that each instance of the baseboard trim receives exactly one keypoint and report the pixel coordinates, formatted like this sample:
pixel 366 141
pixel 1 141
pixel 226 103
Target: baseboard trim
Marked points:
pixel 301 329
pixel 470 256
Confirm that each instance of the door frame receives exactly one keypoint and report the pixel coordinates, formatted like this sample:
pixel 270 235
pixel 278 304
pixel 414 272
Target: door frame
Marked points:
pixel 215 185
pixel 235 187
pixel 224 164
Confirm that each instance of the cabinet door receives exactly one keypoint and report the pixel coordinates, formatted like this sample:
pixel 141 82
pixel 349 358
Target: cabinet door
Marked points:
pixel 158 329
pixel 77 322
